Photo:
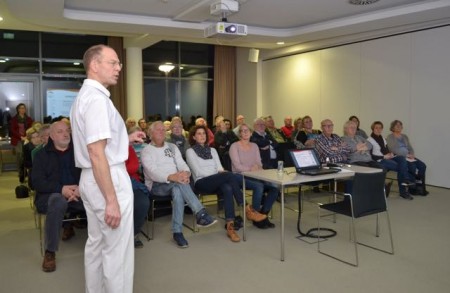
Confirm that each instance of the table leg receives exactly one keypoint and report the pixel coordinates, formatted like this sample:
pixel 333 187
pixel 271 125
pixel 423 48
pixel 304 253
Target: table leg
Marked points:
pixel 244 217
pixel 282 223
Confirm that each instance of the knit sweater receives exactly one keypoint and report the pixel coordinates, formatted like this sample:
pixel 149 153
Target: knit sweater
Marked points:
pixel 202 168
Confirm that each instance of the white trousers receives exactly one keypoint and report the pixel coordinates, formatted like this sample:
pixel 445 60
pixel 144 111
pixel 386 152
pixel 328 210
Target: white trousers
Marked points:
pixel 109 253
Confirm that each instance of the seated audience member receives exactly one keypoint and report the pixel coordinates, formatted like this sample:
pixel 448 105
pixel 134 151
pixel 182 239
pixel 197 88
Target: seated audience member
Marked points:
pixel 245 157
pixel 276 133
pixel 130 122
pixel 137 147
pixel 201 121
pixel 330 147
pixel 140 192
pixel 210 177
pixel 400 145
pixel 142 124
pixel 266 143
pixel 298 126
pixel 381 154
pixel 359 131
pixel 44 133
pixel 217 120
pixel 228 124
pixel 177 137
pixel 240 119
pixel 359 147
pixel 287 128
pixel 307 136
pixel 55 179
pixel 166 173
pixel 178 119
pixel 222 140
pixel 34 141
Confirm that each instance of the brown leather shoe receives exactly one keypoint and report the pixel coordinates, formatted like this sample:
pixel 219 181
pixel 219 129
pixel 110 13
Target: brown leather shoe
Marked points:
pixel 253 215
pixel 68 233
pixel 231 233
pixel 49 263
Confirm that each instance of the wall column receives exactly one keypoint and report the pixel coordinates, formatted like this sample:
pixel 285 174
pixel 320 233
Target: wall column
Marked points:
pixel 135 88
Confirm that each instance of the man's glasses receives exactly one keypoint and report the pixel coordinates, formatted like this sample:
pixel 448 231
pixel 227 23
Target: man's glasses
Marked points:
pixel 115 63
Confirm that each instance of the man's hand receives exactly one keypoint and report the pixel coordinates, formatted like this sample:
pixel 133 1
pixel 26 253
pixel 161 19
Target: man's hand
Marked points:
pixel 112 214
pixel 71 192
pixel 136 137
pixel 182 177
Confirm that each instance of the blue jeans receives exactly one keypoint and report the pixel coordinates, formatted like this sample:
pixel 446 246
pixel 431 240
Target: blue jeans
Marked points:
pixel 258 188
pixel 225 184
pixel 181 193
pixel 399 165
pixel 417 168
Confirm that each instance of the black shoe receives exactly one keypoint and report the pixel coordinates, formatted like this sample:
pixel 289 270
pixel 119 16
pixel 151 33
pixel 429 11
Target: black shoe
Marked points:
pixel 406 195
pixel 268 223
pixel 260 225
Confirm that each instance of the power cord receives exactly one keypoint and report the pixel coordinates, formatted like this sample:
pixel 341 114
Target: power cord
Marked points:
pixel 313 232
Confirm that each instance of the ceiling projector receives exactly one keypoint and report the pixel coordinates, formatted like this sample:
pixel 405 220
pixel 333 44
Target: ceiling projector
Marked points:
pixel 226 30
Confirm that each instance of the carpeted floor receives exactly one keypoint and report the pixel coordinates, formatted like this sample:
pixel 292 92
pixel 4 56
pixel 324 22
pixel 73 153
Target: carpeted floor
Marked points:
pixel 213 263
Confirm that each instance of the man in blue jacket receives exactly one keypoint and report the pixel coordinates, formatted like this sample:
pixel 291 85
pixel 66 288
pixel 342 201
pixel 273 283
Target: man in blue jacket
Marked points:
pixel 55 179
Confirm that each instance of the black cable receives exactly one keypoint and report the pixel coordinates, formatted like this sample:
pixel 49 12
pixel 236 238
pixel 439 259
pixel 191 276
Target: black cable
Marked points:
pixel 310 233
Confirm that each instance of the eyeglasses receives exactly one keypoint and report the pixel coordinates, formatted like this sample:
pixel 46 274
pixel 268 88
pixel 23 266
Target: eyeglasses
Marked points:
pixel 115 63
pixel 327 125
pixel 245 130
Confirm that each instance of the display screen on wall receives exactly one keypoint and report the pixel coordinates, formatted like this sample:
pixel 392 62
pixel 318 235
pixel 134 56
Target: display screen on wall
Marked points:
pixel 59 101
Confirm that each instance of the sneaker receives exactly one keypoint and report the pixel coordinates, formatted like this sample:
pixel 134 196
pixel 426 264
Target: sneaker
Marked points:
pixel 49 263
pixel 204 220
pixel 68 233
pixel 137 242
pixel 406 195
pixel 231 233
pixel 180 240
pixel 253 215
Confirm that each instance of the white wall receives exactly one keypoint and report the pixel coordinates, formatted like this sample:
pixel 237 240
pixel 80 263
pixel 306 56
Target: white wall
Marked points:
pixel 404 77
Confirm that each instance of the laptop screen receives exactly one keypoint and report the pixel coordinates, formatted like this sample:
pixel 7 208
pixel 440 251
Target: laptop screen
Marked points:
pixel 305 159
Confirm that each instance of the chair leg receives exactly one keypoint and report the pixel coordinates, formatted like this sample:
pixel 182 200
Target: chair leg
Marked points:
pixel 41 232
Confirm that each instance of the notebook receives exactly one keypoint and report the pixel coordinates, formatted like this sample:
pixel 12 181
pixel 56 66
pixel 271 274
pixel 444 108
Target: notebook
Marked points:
pixel 307 162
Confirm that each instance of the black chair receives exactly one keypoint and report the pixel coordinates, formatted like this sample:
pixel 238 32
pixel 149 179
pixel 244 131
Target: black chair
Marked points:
pixel 367 198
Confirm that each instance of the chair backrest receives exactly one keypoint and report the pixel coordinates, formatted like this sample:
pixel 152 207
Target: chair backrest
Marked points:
pixel 368 194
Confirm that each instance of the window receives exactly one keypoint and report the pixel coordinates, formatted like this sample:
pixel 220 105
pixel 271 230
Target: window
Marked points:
pixel 185 90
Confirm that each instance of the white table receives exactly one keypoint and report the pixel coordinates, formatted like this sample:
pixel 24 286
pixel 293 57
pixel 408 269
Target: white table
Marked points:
pixel 290 177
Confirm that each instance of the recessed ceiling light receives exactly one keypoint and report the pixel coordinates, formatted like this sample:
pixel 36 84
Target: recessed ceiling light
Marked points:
pixel 1 18
pixel 76 63
pixel 362 2
pixel 280 43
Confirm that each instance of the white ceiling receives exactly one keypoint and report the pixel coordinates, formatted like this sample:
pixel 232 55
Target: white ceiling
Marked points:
pixel 144 22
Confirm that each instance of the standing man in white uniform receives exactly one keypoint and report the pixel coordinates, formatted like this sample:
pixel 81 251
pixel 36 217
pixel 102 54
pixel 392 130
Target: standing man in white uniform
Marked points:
pixel 101 148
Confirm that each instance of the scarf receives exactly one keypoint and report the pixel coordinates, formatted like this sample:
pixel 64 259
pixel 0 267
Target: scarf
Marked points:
pixel 203 152
pixel 379 139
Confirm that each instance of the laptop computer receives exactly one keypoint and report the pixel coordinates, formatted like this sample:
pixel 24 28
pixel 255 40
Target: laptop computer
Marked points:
pixel 306 162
